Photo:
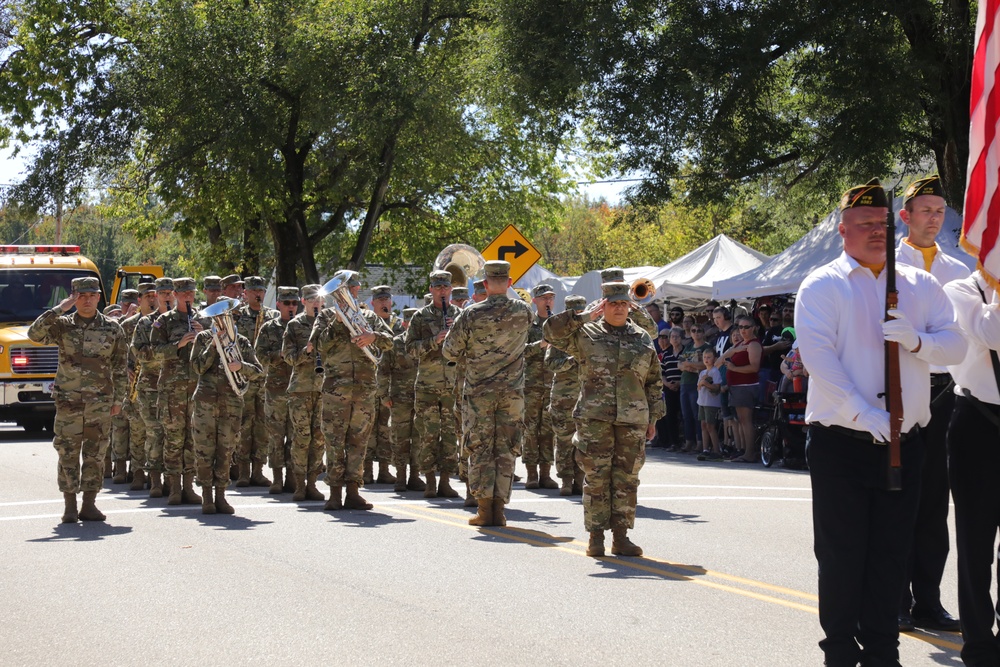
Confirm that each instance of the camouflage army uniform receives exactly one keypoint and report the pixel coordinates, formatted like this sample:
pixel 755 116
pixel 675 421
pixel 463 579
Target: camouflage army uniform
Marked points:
pixel 433 395
pixel 90 380
pixel 491 337
pixel 253 447
pixel 619 398
pixel 128 430
pixel 348 395
pixel 215 419
pixel 562 400
pixel 380 440
pixel 305 406
pixel 149 377
pixel 278 421
pixel 537 384
pixel 402 369
pixel 175 388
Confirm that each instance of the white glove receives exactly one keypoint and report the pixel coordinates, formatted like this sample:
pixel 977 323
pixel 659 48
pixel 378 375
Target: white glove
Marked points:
pixel 900 330
pixel 876 422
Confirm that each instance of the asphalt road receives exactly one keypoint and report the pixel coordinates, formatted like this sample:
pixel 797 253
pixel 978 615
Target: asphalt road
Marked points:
pixel 728 578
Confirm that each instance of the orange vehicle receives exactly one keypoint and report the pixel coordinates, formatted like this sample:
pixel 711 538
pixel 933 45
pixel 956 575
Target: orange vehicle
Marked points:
pixel 34 278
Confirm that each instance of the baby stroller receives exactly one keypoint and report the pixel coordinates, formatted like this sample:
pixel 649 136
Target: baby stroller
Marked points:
pixel 783 438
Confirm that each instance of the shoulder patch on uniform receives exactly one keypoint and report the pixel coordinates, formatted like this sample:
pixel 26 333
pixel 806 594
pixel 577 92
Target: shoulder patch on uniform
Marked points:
pixel 157 323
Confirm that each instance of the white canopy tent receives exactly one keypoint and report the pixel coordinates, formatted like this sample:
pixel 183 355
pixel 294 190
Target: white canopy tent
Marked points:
pixel 785 271
pixel 688 280
pixel 538 274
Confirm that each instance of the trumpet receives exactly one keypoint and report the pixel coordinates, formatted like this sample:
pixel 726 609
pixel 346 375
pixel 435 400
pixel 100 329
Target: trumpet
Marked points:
pixel 347 309
pixel 642 291
pixel 224 334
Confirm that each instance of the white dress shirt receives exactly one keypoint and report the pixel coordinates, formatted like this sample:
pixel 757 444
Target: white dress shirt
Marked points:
pixel 980 322
pixel 838 319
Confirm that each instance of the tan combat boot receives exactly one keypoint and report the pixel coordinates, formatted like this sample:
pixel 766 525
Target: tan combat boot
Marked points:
pixel 312 493
pixel 469 500
pixel 155 484
pixel 138 480
pixel 400 486
pixel 300 487
pixel 120 472
pixel 335 502
pixel 278 485
pixel 174 481
pixel 188 494
pixel 207 504
pixel 595 547
pixel 384 476
pixel 222 505
pixel 484 513
pixel 89 511
pixel 430 491
pixel 108 466
pixel 257 476
pixel 70 514
pixel 578 483
pixel 621 545
pixel 353 499
pixel 545 480
pixel 567 487
pixel 498 517
pixel 243 474
pixel 414 483
pixel 368 476
pixel 444 489
pixel 532 482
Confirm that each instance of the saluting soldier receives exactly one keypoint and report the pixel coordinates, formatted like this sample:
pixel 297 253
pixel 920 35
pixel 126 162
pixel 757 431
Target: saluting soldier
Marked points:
pixel 434 397
pixel 538 455
pixel 171 339
pixel 491 337
pixel 348 398
pixel 562 399
pixel 402 370
pixel 637 315
pixel 616 413
pixel 127 432
pixel 89 389
pixel 277 418
pixel 215 420
pixel 149 378
pixel 305 406
pixel 380 442
pixel 251 456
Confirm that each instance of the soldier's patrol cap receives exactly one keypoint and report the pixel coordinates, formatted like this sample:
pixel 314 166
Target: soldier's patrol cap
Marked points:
pixel 231 279
pixel 870 194
pixel 613 275
pixel 81 285
pixel 440 279
pixel 616 291
pixel 311 291
pixel 254 282
pixel 128 296
pixel 542 290
pixel 381 292
pixel 288 294
pixel 146 288
pixel 460 293
pixel 408 313
pixel 478 287
pixel 496 268
pixel 211 282
pixel 164 284
pixel 184 284
pixel 924 186
pixel 576 302
pixel 428 299
pixel 111 309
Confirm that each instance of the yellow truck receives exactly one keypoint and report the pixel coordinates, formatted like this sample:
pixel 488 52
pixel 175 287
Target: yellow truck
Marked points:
pixel 34 278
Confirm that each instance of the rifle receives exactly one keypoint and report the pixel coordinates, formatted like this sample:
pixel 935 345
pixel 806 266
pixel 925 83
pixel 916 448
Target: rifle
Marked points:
pixel 893 388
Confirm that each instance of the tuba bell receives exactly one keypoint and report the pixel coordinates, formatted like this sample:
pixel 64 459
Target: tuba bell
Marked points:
pixel 224 334
pixel 642 291
pixel 463 262
pixel 347 309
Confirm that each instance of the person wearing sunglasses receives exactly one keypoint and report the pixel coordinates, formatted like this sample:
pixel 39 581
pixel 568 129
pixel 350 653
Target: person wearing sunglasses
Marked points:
pixel 773 345
pixel 742 363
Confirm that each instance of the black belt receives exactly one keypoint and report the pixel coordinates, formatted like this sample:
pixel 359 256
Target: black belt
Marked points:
pixel 940 379
pixel 865 435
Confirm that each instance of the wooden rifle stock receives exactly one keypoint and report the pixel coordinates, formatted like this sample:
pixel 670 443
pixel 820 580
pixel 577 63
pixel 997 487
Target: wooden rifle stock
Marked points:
pixel 893 389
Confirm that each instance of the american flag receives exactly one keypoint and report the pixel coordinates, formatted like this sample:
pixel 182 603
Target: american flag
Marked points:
pixel 982 200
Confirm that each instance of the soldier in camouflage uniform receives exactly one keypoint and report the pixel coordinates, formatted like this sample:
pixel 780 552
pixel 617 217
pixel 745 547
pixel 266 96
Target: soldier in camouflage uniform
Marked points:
pixel 89 389
pixel 348 398
pixel 251 455
pixel 434 397
pixel 562 399
pixel 149 377
pixel 277 418
pixel 491 337
pixel 538 454
pixel 215 421
pixel 479 291
pixel 305 406
pixel 232 287
pixel 380 441
pixel 171 338
pixel 211 287
pixel 402 371
pixel 127 432
pixel 460 297
pixel 636 315
pixel 619 404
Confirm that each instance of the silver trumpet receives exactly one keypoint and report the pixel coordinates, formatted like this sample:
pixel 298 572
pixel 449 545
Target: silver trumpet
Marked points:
pixel 347 309
pixel 224 335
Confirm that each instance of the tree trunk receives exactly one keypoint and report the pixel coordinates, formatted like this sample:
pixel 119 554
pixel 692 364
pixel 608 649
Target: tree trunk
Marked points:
pixel 387 159
pixel 286 256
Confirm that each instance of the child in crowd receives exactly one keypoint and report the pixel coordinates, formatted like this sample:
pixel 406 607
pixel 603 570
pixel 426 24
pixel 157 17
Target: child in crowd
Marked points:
pixel 709 402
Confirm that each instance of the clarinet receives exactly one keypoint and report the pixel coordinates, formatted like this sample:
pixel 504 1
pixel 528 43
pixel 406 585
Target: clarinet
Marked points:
pixel 444 320
pixel 319 359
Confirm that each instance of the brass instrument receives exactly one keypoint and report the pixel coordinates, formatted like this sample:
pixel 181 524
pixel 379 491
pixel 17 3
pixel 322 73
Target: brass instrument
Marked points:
pixel 642 291
pixel 463 262
pixel 224 334
pixel 347 309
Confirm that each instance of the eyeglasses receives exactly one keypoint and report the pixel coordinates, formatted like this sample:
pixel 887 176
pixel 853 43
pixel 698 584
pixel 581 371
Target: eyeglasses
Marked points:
pixel 745 326
pixel 775 319
pixel 693 330
pixel 289 303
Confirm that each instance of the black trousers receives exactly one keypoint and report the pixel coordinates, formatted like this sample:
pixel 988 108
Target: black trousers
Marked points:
pixel 925 567
pixel 974 469
pixel 668 427
pixel 861 536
